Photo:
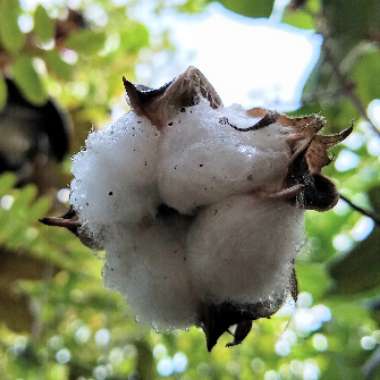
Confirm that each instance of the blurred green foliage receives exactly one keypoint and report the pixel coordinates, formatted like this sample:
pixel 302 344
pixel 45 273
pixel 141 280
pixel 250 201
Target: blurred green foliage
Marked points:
pixel 257 8
pixel 57 320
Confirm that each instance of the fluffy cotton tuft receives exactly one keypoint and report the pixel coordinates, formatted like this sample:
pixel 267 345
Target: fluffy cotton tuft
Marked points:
pixel 115 175
pixel 133 187
pixel 241 250
pixel 203 159
pixel 148 265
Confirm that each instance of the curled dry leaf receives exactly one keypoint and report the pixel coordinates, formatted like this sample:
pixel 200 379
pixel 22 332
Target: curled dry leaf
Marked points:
pixel 200 207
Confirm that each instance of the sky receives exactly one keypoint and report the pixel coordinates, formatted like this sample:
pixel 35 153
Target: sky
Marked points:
pixel 254 62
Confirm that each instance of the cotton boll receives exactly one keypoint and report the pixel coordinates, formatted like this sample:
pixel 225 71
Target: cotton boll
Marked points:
pixel 203 160
pixel 184 195
pixel 115 176
pixel 148 266
pixel 241 249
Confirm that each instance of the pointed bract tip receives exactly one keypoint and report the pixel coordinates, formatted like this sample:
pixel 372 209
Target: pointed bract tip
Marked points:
pixel 59 222
pixel 127 84
pixel 44 221
pixel 241 332
pixel 346 132
pixel 210 342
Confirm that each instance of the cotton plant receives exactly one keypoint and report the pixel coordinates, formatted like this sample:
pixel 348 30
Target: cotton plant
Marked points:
pixel 200 207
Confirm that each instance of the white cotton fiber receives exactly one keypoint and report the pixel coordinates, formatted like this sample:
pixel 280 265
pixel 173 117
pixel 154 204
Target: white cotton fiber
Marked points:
pixel 240 250
pixel 148 266
pixel 203 160
pixel 115 175
pixel 174 209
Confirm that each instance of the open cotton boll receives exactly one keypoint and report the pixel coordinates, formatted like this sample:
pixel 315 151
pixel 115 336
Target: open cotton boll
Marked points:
pixel 195 204
pixel 148 266
pixel 241 249
pixel 203 160
pixel 115 175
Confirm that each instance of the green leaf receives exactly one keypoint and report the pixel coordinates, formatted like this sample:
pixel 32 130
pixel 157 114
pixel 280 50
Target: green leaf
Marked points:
pixel 43 24
pixel 359 270
pixel 352 22
pixel 192 6
pixel 313 278
pixel 366 75
pixel 134 37
pixel 28 80
pixel 348 27
pixel 57 65
pixel 7 181
pixel 249 8
pixel 39 208
pixel 11 36
pixel 86 41
pixel 299 19
pixel 3 92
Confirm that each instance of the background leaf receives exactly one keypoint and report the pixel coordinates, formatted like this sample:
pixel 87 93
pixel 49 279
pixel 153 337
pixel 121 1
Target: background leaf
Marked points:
pixel 366 74
pixel 3 92
pixel 43 24
pixel 11 36
pixel 28 80
pixel 359 270
pixel 352 22
pixel 86 41
pixel 57 66
pixel 256 8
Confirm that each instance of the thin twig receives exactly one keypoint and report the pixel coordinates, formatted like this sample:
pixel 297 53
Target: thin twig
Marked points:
pixel 361 210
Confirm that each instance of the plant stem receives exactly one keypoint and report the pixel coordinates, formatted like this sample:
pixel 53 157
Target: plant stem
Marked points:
pixel 361 210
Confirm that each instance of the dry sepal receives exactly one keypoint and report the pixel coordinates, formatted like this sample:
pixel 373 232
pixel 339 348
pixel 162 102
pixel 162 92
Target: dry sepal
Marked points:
pixel 200 207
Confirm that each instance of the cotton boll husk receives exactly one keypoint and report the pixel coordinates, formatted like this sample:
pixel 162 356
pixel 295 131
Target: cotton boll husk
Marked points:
pixel 202 160
pixel 115 175
pixel 148 266
pixel 241 249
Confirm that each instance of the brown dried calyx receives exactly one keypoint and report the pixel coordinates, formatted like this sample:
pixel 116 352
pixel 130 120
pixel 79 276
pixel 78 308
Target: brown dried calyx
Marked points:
pixel 158 105
pixel 216 319
pixel 304 183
